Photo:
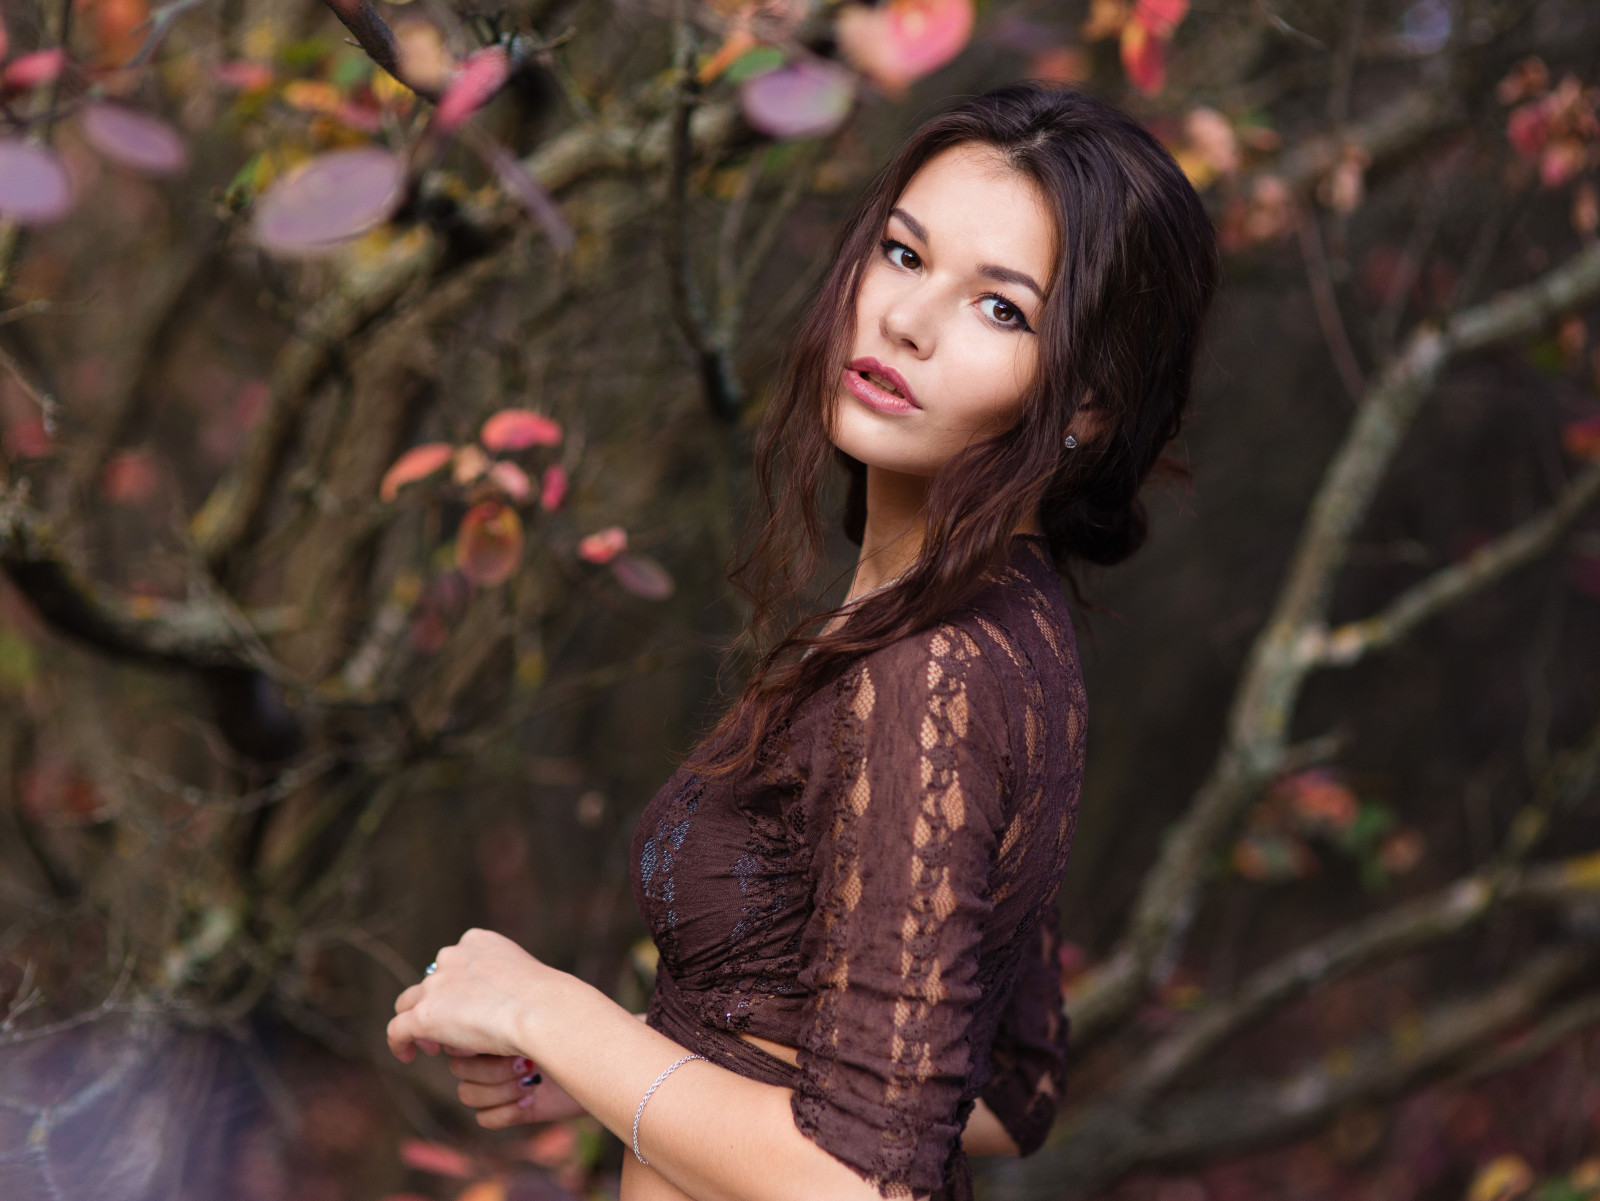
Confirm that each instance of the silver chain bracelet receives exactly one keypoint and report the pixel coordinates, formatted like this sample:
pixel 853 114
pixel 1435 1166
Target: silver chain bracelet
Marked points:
pixel 638 1113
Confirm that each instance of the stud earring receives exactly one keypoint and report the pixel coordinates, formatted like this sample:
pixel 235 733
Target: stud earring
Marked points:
pixel 1069 442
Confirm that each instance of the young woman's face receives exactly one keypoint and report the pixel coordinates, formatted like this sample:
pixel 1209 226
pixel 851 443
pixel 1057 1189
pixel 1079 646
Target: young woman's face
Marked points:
pixel 945 317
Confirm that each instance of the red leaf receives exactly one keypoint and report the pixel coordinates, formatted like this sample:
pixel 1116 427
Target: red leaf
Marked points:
pixel 1581 438
pixel 33 70
pixel 489 544
pixel 554 489
pixel 417 463
pixel 481 76
pixel 1528 128
pixel 642 576
pixel 1144 58
pixel 604 545
pixel 1319 800
pixel 436 1158
pixel 1161 17
pixel 552 1145
pixel 28 439
pixel 511 480
pixel 518 429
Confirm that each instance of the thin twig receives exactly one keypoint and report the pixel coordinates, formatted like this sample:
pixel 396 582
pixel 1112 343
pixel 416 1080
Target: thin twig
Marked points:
pixel 1326 304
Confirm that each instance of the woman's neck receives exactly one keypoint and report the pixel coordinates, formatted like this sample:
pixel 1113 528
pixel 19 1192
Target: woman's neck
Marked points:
pixel 892 535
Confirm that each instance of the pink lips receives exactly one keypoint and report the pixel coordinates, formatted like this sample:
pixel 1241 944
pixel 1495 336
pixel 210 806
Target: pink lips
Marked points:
pixel 871 395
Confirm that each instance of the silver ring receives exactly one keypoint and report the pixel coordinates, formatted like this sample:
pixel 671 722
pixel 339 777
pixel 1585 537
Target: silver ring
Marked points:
pixel 430 969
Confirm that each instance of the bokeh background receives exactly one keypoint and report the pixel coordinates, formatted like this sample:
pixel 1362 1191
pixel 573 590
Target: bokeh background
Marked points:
pixel 377 385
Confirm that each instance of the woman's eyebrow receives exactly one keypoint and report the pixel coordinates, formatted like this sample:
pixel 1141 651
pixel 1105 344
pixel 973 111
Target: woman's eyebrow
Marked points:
pixel 1003 275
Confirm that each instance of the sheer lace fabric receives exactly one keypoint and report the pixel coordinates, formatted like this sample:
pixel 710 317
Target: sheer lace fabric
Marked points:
pixel 880 891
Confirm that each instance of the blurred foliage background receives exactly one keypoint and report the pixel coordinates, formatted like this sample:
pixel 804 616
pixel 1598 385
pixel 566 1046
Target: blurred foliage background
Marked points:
pixel 376 391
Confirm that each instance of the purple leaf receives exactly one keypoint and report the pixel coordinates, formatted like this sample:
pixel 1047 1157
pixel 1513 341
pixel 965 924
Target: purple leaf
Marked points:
pixel 803 99
pixel 524 189
pixel 328 200
pixel 642 576
pixel 34 184
pixel 134 139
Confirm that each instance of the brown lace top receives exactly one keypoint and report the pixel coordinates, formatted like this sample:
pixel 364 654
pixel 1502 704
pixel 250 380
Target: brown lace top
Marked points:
pixel 880 892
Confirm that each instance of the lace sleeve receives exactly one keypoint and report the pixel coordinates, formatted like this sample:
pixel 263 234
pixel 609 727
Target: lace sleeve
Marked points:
pixel 903 838
pixel 1030 1047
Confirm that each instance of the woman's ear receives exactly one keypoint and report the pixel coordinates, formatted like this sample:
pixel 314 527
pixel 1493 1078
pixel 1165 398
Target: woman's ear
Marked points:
pixel 1088 423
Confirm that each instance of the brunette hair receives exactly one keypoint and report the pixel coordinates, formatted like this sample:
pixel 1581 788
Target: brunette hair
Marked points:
pixel 1135 269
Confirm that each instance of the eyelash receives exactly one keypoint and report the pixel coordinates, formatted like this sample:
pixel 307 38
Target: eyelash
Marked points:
pixel 1021 323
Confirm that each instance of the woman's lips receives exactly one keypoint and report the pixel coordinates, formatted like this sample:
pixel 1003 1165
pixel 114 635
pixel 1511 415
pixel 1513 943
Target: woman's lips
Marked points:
pixel 871 394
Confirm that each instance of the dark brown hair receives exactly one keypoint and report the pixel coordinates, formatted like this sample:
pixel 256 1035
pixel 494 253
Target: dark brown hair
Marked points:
pixel 1136 266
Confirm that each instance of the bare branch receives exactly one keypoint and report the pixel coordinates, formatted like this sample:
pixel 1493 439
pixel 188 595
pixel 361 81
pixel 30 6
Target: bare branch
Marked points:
pixel 378 40
pixel 1287 648
pixel 1326 303
pixel 1352 641
pixel 1101 1142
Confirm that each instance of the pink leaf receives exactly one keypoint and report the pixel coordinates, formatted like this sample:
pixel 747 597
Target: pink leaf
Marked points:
pixel 417 463
pixel 329 199
pixel 34 184
pixel 481 76
pixel 134 139
pixel 554 488
pixel 905 39
pixel 642 576
pixel 436 1158
pixel 243 75
pixel 33 70
pixel 511 480
pixel 603 546
pixel 489 544
pixel 28 439
pixel 518 429
pixel 1161 17
pixel 807 98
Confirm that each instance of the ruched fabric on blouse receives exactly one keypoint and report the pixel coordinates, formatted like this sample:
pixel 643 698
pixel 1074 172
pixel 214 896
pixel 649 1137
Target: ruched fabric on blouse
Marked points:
pixel 880 892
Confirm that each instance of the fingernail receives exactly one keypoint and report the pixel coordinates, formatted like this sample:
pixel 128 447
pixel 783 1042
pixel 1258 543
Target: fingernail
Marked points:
pixel 524 1102
pixel 530 1081
pixel 521 1066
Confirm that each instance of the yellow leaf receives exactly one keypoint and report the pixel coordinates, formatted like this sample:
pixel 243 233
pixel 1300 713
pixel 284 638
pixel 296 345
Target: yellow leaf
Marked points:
pixel 1501 1179
pixel 484 1190
pixel 1583 871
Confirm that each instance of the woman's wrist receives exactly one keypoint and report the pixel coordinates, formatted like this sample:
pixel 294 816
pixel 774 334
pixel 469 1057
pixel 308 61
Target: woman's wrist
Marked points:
pixel 531 1026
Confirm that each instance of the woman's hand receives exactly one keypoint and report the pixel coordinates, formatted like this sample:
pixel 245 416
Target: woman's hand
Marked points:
pixel 475 1002
pixel 509 1090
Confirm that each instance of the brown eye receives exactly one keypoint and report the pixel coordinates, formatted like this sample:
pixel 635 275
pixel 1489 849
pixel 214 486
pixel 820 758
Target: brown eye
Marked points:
pixel 891 248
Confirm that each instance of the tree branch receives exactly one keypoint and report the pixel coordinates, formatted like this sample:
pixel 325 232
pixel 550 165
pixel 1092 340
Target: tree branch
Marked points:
pixel 1352 641
pixel 1287 648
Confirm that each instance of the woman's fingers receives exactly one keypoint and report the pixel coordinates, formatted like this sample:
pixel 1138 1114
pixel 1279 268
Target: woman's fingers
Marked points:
pixel 489 1096
pixel 502 1116
pixel 491 1069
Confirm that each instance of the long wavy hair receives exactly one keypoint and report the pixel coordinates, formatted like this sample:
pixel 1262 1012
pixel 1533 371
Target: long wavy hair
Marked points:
pixel 1135 270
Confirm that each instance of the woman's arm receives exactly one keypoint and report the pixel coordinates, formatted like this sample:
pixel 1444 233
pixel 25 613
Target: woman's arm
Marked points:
pixel 711 1133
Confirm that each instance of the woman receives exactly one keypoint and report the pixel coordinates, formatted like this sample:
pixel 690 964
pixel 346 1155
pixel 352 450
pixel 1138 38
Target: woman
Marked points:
pixel 852 881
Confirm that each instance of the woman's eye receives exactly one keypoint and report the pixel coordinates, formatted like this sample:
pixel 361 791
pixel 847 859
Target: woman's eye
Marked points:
pixel 1004 312
pixel 911 262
